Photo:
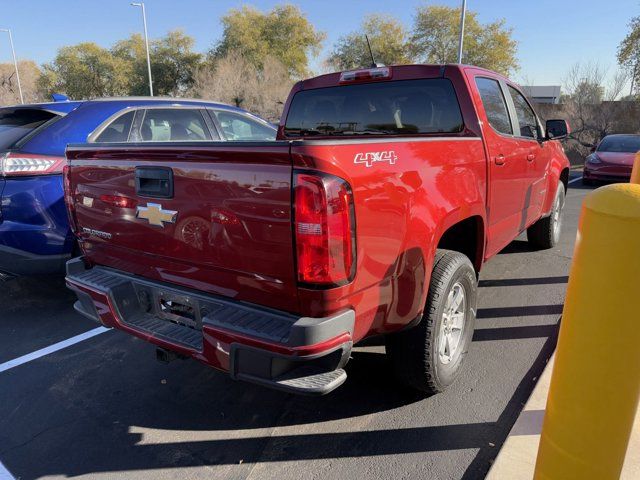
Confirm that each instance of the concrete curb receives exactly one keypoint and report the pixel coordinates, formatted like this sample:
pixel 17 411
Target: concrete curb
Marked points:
pixel 517 457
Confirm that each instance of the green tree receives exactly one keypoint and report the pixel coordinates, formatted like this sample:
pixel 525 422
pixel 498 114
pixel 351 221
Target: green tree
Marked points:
pixel 173 63
pixel 388 39
pixel 629 53
pixel 284 33
pixel 435 39
pixel 132 52
pixel 85 71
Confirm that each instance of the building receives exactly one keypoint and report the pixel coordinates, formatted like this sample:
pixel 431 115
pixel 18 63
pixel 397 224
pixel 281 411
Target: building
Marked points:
pixel 543 93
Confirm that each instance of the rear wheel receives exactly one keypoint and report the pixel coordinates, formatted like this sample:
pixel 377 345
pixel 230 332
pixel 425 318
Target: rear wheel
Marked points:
pixel 429 356
pixel 545 233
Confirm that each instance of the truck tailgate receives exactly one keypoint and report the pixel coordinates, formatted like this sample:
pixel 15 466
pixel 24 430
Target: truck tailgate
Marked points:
pixel 215 216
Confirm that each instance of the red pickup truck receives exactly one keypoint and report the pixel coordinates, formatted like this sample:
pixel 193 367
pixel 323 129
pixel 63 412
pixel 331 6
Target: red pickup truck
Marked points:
pixel 371 214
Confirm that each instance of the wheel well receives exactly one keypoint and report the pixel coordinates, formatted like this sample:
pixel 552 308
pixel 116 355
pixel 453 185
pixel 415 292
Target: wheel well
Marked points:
pixel 564 178
pixel 466 237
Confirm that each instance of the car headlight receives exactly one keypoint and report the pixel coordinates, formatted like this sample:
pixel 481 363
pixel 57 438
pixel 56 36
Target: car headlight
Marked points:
pixel 593 159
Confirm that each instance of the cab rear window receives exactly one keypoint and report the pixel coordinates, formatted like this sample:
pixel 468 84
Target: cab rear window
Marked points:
pixel 16 124
pixel 390 107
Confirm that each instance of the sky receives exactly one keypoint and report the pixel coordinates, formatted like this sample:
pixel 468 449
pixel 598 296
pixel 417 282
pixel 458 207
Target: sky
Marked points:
pixel 552 35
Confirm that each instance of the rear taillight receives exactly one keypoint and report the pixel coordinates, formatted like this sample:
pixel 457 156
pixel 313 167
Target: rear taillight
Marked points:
pixel 324 223
pixel 22 164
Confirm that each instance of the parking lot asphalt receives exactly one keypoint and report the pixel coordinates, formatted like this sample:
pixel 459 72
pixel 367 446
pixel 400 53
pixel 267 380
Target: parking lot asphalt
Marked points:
pixel 105 408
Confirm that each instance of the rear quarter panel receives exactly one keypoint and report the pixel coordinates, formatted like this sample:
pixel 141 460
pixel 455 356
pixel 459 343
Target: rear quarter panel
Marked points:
pixel 402 208
pixel 34 217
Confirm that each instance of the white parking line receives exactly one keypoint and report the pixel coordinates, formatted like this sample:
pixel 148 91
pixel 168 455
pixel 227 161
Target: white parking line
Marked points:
pixel 50 349
pixel 5 474
pixel 575 180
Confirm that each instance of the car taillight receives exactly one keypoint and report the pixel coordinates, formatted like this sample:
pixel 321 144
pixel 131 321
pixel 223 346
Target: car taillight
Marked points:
pixel 324 223
pixel 377 73
pixel 224 217
pixel 21 164
pixel 119 201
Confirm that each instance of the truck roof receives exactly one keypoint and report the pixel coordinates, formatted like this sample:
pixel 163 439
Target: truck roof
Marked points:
pixel 418 70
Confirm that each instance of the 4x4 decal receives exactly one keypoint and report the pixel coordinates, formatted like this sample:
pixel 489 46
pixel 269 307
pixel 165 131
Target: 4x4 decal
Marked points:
pixel 370 158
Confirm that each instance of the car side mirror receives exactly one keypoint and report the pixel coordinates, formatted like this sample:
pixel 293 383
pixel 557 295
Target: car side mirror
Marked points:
pixel 593 149
pixel 557 129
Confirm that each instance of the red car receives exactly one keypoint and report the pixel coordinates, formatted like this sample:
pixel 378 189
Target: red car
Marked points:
pixel 372 214
pixel 612 160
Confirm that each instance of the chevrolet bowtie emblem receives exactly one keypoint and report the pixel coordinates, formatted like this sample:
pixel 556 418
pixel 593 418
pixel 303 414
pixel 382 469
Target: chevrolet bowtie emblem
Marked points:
pixel 154 213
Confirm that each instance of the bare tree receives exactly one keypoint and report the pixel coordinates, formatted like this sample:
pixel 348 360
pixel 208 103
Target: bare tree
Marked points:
pixel 228 80
pixel 29 75
pixel 591 106
pixel 274 85
pixel 234 80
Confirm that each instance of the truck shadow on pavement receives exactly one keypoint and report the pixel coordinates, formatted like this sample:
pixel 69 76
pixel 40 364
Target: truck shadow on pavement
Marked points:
pixel 89 411
pixel 110 439
pixel 92 434
pixel 517 246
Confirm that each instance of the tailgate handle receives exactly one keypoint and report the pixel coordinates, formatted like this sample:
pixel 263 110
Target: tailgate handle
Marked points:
pixel 156 182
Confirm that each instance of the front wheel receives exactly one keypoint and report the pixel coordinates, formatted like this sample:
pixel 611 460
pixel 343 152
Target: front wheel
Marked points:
pixel 429 356
pixel 545 233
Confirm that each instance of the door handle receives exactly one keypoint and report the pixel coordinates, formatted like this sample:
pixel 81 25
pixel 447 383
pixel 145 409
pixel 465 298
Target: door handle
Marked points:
pixel 499 159
pixel 531 157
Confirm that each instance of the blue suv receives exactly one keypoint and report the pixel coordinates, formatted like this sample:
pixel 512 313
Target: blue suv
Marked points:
pixel 34 230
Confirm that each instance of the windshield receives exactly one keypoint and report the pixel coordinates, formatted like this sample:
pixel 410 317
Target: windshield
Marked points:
pixel 400 107
pixel 17 124
pixel 621 144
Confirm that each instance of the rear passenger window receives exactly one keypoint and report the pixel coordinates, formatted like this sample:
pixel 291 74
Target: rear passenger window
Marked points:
pixel 118 130
pixel 494 105
pixel 173 125
pixel 241 128
pixel 526 118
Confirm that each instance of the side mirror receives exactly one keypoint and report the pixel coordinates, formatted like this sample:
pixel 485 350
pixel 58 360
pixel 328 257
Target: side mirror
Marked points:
pixel 557 129
pixel 593 149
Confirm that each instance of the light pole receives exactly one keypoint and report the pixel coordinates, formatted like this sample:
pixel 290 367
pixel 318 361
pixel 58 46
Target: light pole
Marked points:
pixel 463 14
pixel 146 42
pixel 15 62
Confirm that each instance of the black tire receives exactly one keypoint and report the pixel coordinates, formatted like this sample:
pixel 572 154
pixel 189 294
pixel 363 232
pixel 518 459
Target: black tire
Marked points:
pixel 414 354
pixel 545 233
pixel 587 182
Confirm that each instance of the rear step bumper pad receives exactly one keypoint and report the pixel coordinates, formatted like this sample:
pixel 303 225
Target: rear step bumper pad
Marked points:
pixel 271 348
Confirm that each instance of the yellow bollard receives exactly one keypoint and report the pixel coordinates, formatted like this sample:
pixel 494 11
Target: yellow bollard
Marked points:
pixel 595 384
pixel 635 174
